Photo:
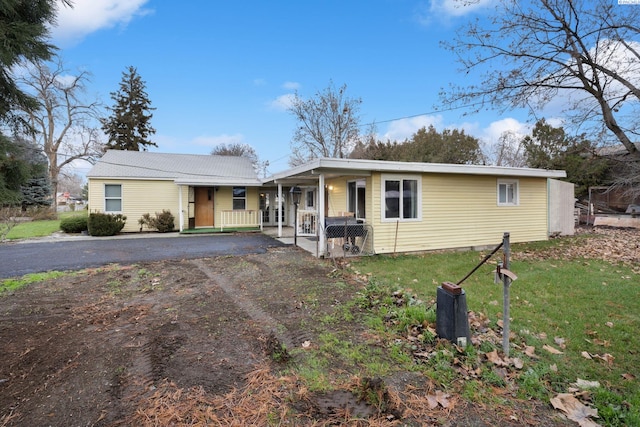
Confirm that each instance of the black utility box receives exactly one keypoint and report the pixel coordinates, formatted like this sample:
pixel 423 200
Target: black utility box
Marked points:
pixel 452 322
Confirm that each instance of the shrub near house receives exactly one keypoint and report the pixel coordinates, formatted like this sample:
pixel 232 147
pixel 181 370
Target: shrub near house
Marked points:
pixel 163 222
pixel 105 224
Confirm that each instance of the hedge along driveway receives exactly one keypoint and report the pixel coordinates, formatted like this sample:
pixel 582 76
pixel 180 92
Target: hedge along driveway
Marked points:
pixel 18 259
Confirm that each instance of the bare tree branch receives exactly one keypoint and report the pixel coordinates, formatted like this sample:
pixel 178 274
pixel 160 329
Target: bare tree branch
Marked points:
pixel 63 124
pixel 531 54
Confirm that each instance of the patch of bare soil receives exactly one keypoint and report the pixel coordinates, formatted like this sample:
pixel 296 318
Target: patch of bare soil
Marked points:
pixel 196 343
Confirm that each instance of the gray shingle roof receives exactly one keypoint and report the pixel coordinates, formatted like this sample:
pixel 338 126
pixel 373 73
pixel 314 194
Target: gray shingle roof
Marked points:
pixel 195 169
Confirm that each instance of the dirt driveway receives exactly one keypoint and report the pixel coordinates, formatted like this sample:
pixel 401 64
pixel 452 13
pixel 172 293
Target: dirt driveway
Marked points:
pixel 88 348
pixel 192 342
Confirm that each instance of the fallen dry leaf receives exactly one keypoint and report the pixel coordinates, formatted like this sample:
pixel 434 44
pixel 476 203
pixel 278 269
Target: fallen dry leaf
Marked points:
pixel 609 324
pixel 551 350
pixel 518 363
pixel 560 342
pixel 495 359
pixel 586 355
pixel 585 385
pixel 575 410
pixel 440 398
pixel 629 377
pixel 530 351
pixel 605 357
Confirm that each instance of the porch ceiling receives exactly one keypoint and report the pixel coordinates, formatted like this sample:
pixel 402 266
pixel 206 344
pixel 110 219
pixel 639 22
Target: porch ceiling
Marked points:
pixel 312 176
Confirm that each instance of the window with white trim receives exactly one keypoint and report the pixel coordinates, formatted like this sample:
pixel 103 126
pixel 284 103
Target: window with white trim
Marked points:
pixel 239 198
pixel 508 192
pixel 113 198
pixel 310 199
pixel 402 198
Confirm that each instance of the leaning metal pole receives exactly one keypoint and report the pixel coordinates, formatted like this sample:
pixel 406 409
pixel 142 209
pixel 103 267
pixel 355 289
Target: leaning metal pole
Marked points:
pixel 506 281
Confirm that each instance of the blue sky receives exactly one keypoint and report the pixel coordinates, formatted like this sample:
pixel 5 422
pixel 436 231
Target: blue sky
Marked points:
pixel 223 71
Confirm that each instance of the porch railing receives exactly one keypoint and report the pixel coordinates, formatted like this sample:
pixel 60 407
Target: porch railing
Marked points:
pixel 241 218
pixel 307 223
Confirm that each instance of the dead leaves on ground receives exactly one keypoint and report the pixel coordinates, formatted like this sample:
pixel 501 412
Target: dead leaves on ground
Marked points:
pixel 575 410
pixel 609 244
pixel 268 399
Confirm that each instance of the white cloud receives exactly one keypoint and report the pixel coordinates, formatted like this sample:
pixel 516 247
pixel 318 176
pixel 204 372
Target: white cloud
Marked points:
pixel 88 16
pixel 491 134
pixel 291 85
pixel 443 10
pixel 283 102
pixel 402 129
pixel 458 7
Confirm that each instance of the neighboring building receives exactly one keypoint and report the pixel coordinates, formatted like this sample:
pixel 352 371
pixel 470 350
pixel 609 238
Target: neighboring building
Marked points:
pixel 200 190
pixel 406 206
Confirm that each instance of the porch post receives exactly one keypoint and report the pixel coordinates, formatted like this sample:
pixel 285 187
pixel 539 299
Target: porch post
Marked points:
pixel 321 237
pixel 180 211
pixel 278 211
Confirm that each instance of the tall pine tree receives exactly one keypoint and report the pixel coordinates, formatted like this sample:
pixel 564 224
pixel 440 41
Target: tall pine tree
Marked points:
pixel 129 125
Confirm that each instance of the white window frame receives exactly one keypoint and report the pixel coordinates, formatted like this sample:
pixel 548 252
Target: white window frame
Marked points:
pixel 401 178
pixel 516 190
pixel 112 197
pixel 234 198
pixel 310 198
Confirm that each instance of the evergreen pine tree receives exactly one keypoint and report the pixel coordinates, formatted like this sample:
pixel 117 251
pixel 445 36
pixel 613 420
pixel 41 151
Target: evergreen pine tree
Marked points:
pixel 129 126
pixel 36 192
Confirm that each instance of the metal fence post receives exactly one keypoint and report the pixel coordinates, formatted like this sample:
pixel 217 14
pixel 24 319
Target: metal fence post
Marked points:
pixel 506 281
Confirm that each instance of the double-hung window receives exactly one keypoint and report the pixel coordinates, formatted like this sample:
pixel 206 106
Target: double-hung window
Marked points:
pixel 113 198
pixel 401 197
pixel 508 192
pixel 239 198
pixel 310 199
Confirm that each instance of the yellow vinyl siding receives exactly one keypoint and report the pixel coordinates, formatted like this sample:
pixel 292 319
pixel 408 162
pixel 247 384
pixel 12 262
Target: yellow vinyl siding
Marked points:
pixel 223 201
pixel 138 197
pixel 337 200
pixel 461 211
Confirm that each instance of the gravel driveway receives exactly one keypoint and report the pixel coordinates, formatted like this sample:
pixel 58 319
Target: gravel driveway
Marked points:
pixel 33 257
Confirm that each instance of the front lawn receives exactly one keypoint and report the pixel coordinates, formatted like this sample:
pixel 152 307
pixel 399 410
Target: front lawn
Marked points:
pixel 573 317
pixel 40 228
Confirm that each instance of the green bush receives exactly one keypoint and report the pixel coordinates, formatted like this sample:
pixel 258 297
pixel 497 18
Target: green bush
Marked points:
pixel 74 224
pixel 101 224
pixel 163 222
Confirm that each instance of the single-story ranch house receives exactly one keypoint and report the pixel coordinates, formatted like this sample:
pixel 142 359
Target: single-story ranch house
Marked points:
pixel 405 206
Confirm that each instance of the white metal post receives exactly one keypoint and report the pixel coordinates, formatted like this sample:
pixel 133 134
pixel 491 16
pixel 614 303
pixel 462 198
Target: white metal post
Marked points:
pixel 321 237
pixel 280 207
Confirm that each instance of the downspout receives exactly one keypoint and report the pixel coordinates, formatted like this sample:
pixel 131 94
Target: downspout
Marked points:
pixel 280 207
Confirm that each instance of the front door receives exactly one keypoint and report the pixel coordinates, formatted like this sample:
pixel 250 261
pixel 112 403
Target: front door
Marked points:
pixel 204 206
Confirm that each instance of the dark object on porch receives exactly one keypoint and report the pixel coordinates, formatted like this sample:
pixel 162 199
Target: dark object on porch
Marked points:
pixel 452 322
pixel 347 228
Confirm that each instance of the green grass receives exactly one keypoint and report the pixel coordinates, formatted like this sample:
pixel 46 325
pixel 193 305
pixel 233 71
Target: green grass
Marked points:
pixel 8 285
pixel 42 228
pixel 592 306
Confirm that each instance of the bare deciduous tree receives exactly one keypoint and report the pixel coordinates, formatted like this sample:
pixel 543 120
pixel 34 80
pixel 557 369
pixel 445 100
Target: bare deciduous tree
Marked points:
pixel 532 53
pixel 64 124
pixel 508 151
pixel 328 125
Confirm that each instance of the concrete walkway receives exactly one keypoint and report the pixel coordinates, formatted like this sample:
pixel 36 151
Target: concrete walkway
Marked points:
pixel 309 244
